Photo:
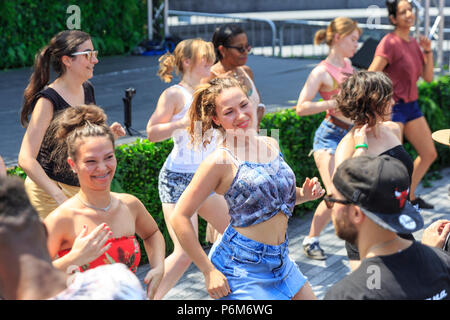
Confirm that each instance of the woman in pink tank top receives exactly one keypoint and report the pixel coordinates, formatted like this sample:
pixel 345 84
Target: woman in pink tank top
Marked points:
pixel 342 37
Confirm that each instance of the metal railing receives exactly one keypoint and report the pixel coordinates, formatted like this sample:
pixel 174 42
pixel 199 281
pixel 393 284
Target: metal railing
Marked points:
pixel 203 25
pixel 296 37
pixel 287 38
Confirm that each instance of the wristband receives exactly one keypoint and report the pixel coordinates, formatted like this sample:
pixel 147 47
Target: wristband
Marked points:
pixel 362 145
pixel 427 52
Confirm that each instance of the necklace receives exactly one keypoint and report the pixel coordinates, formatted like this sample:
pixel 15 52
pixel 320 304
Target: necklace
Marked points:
pixel 105 209
pixel 382 244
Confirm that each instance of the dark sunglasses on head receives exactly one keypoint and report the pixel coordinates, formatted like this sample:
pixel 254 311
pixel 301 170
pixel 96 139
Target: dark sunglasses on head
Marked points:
pixel 329 201
pixel 247 48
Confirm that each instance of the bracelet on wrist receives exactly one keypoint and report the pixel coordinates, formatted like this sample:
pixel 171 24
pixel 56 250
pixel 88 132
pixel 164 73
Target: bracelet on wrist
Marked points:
pixel 362 145
pixel 427 51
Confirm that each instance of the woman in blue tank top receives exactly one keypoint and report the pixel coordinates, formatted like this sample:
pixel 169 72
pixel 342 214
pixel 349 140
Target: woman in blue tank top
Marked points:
pixel 192 59
pixel 251 260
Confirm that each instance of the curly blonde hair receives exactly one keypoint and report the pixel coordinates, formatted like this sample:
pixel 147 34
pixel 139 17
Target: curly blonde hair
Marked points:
pixel 364 96
pixel 203 108
pixel 194 49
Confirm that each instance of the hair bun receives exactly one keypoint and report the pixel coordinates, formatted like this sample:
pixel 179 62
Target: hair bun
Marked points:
pixel 77 117
pixel 320 36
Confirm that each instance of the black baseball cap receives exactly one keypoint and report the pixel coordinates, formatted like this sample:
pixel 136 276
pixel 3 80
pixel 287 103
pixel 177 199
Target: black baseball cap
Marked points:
pixel 379 185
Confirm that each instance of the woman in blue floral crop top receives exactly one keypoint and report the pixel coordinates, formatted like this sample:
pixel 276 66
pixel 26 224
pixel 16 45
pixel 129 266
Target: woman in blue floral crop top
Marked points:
pixel 251 261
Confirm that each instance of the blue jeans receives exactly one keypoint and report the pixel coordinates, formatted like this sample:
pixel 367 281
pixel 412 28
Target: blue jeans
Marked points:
pixel 254 270
pixel 328 136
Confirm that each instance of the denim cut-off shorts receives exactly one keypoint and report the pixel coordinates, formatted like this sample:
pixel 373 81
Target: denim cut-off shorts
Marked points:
pixel 405 112
pixel 328 136
pixel 254 270
pixel 171 184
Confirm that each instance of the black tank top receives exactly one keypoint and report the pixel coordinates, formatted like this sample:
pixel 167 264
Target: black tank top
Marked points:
pixel 60 171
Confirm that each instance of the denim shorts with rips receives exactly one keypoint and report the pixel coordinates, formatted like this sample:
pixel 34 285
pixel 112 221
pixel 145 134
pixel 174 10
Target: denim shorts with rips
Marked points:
pixel 254 270
pixel 328 136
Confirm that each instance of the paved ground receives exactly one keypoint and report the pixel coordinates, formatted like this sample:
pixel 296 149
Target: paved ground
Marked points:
pixel 321 274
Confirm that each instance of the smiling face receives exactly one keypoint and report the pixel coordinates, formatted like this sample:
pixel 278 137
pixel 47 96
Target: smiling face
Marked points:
pixel 404 17
pixel 95 162
pixel 81 65
pixel 231 52
pixel 234 110
pixel 347 44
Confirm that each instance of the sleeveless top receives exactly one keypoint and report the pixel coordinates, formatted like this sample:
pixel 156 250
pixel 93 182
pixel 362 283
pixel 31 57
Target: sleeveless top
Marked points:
pixel 183 157
pixel 398 152
pixel 260 190
pixel 252 94
pixel 338 74
pixel 123 250
pixel 61 173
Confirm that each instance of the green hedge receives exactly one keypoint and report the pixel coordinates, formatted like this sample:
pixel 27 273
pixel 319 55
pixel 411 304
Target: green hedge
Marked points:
pixel 139 162
pixel 434 101
pixel 116 27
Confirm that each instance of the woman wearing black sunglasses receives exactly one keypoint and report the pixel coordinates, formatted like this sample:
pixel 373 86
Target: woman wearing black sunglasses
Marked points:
pixel 232 49
pixel 72 56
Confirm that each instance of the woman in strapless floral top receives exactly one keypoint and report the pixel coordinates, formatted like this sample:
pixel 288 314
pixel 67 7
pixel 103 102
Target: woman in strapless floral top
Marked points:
pixel 97 226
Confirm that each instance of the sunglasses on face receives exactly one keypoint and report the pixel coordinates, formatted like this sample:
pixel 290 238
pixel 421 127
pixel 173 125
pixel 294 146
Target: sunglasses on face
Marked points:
pixel 247 48
pixel 89 54
pixel 329 201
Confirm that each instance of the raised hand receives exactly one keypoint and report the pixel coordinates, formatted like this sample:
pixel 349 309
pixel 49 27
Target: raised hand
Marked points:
pixel 425 43
pixel 360 135
pixel 117 130
pixel 436 233
pixel 311 190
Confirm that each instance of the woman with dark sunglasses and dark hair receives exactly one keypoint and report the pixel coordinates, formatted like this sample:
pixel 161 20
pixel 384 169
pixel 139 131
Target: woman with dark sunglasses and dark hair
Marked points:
pixel 404 60
pixel 72 56
pixel 232 49
pixel 366 98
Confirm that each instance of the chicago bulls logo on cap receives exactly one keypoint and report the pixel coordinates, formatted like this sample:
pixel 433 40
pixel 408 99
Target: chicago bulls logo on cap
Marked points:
pixel 401 196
